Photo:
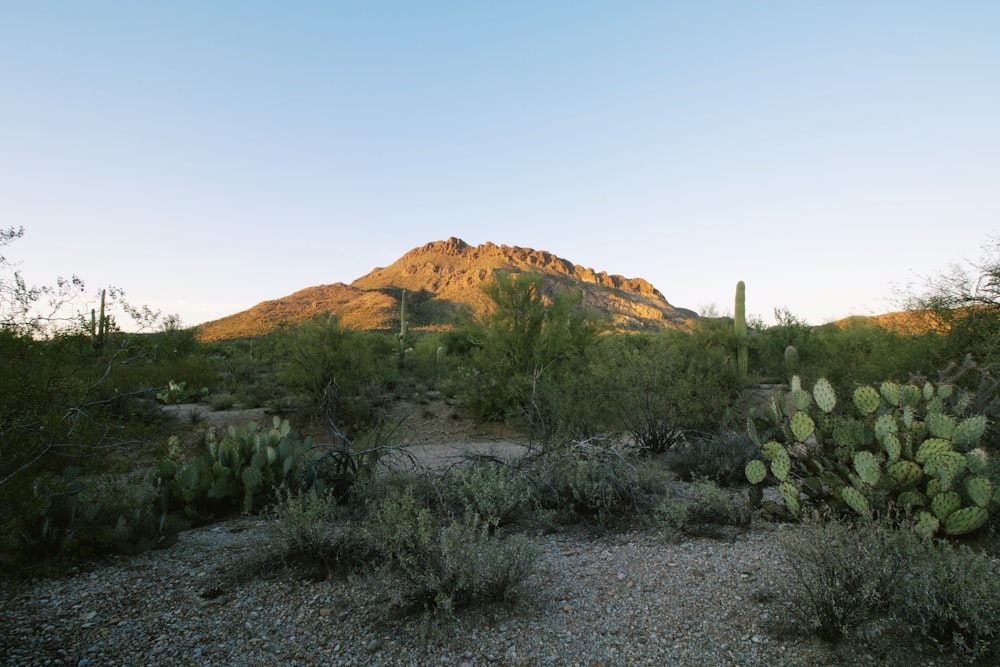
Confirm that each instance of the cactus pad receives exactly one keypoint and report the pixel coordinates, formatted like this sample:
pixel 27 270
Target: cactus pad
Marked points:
pixel 930 447
pixel 801 399
pixel 946 466
pixel 904 474
pixel 940 425
pixel 890 443
pixel 909 499
pixel 968 432
pixel 885 424
pixel 911 395
pixel 771 449
pixel 926 524
pixel 867 467
pixel 928 390
pixel 979 490
pixel 824 395
pixel 855 500
pixel 848 433
pixel 781 465
pixel 965 520
pixel 802 426
pixel 945 503
pixel 755 471
pixel 866 400
pixel 890 392
pixel 790 495
pixel 976 460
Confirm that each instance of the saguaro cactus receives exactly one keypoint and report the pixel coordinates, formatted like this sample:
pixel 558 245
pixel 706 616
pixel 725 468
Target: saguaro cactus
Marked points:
pixel 740 328
pixel 402 327
pixel 98 326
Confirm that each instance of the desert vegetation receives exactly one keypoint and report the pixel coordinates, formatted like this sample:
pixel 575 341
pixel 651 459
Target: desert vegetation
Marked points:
pixel 880 441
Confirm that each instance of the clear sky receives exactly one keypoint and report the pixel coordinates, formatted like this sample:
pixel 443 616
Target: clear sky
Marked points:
pixel 207 156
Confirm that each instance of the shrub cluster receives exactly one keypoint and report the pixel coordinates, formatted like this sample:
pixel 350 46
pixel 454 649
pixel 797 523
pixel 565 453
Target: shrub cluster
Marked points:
pixel 877 580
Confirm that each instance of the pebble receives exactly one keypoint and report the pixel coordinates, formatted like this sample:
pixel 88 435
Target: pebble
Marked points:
pixel 611 600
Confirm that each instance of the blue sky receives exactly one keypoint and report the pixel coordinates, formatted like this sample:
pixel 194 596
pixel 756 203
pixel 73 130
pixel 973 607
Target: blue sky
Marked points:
pixel 206 156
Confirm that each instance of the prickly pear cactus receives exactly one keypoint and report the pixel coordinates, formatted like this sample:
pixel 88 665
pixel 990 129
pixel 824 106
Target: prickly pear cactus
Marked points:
pixel 892 444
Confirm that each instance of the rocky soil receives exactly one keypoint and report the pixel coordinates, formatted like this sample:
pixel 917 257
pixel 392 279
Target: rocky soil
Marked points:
pixel 617 599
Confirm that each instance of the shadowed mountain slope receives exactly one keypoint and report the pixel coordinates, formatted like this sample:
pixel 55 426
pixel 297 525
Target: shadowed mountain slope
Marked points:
pixel 444 279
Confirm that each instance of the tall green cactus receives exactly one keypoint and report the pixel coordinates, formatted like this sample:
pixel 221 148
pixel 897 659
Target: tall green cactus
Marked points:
pixel 403 328
pixel 740 329
pixel 98 326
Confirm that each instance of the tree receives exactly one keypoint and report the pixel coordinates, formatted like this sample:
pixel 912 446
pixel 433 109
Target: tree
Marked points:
pixel 964 305
pixel 525 340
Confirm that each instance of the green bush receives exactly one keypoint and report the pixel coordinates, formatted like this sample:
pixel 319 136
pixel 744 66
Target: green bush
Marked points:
pixel 594 482
pixel 313 530
pixel 842 577
pixel 876 580
pixel 721 457
pixel 666 385
pixel 498 494
pixel 71 517
pixel 528 337
pixel 703 510
pixel 436 567
pixel 340 377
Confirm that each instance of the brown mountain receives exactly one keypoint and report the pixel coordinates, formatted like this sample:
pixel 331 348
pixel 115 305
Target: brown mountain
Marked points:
pixel 444 279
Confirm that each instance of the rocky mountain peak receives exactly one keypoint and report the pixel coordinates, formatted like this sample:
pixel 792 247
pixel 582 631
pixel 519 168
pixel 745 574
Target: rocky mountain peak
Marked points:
pixel 446 277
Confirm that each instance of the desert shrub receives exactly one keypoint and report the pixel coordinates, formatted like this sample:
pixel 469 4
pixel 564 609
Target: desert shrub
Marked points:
pixel 702 509
pixel 876 579
pixel 338 376
pixel 949 596
pixel 497 493
pixel 313 530
pixel 372 491
pixel 221 401
pixel 841 577
pixel 71 517
pixel 667 385
pixel 864 352
pixel 526 338
pixel 595 482
pixel 436 568
pixel 720 457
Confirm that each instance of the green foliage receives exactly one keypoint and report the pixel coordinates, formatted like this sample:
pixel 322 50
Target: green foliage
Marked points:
pixel 526 339
pixel 497 494
pixel 436 567
pixel 864 352
pixel 595 482
pixel 312 530
pixel 891 445
pixel 672 384
pixel 338 375
pixel 703 510
pixel 70 517
pixel 740 329
pixel 877 580
pixel 178 392
pixel 243 470
pixel 720 457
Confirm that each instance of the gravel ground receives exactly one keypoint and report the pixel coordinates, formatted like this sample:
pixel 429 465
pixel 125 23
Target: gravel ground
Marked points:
pixel 626 599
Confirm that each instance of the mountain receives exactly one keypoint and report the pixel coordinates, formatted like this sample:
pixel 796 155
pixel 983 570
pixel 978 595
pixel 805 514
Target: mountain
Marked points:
pixel 444 279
